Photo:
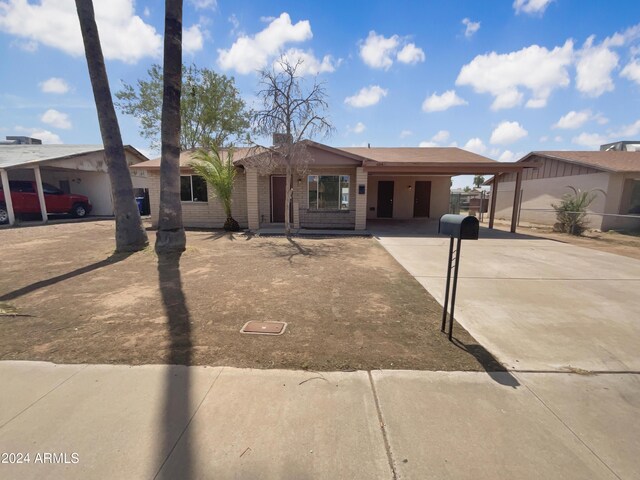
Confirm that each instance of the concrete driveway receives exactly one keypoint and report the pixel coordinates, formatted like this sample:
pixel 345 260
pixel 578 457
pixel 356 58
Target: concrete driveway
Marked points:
pixel 536 304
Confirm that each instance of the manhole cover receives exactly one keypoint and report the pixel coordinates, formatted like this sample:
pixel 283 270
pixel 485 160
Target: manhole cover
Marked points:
pixel 264 328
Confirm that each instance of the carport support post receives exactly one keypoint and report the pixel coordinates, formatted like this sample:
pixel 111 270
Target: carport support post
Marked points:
pixel 516 202
pixel 43 206
pixel 7 196
pixel 494 195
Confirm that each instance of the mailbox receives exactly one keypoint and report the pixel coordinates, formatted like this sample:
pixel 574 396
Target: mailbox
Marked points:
pixel 461 227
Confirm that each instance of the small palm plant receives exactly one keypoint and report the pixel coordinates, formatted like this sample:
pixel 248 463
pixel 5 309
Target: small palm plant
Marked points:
pixel 220 174
pixel 571 213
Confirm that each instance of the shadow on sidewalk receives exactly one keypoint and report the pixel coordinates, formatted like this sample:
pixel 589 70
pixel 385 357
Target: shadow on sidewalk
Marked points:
pixel 177 405
pixel 493 367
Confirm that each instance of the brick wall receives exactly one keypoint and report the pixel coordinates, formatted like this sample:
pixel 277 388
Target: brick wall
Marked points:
pixel 208 214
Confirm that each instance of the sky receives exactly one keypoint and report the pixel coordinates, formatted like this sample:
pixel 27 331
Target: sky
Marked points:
pixel 499 78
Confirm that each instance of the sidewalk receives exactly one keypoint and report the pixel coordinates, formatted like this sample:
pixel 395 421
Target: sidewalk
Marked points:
pixel 218 423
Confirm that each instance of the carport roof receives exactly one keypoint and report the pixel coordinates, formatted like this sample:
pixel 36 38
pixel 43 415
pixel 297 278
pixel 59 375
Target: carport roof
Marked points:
pixel 29 155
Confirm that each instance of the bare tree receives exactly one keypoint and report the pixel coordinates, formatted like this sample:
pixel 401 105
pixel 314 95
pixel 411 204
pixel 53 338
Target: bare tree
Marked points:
pixel 130 234
pixel 170 237
pixel 292 112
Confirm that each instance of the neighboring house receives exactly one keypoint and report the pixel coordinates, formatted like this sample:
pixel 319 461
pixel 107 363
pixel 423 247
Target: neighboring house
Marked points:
pixel 78 169
pixel 616 171
pixel 342 188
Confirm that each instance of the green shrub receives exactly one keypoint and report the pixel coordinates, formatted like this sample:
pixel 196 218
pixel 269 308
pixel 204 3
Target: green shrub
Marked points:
pixel 571 212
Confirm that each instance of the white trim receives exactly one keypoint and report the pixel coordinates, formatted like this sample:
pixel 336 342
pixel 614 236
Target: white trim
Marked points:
pixel 7 196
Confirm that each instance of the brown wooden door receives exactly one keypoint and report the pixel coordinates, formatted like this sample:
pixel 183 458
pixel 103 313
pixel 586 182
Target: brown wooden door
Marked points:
pixel 278 194
pixel 385 199
pixel 422 199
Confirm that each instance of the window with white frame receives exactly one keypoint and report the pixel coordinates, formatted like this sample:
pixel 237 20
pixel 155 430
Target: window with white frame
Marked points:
pixel 193 188
pixel 328 192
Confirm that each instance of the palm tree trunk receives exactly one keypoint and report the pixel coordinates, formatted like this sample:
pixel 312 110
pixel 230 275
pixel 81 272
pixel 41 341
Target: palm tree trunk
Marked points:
pixel 170 237
pixel 130 234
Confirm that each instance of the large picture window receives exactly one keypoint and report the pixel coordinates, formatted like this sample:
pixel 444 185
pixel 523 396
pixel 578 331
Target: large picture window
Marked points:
pixel 328 192
pixel 193 188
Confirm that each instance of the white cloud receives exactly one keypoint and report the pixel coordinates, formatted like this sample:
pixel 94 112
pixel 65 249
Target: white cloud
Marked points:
pixel 251 53
pixel 591 140
pixel 531 7
pixel 192 39
pixel 632 71
pixel 436 140
pixel 366 97
pixel 56 119
pixel 310 64
pixel 123 35
pixel 146 12
pixel 204 4
pixel 405 133
pixel 411 54
pixel 439 103
pixel 46 136
pixel 628 131
pixel 471 27
pixel 359 128
pixel 534 68
pixel 507 132
pixel 507 156
pixel 594 67
pixel 573 119
pixel 475 145
pixel 54 85
pixel 558 139
pixel 441 136
pixel 376 51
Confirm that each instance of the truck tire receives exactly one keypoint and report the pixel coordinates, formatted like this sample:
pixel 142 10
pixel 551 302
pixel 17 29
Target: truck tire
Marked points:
pixel 79 210
pixel 4 214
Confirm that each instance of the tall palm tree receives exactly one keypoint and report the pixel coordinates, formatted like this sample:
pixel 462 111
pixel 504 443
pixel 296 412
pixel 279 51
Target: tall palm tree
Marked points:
pixel 220 175
pixel 130 234
pixel 170 237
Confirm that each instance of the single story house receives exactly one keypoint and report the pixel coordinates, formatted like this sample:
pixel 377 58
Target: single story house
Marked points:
pixel 339 188
pixel 614 171
pixel 78 169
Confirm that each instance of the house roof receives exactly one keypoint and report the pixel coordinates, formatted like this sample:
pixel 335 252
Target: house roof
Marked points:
pixel 417 155
pixel 23 155
pixel 423 160
pixel 609 161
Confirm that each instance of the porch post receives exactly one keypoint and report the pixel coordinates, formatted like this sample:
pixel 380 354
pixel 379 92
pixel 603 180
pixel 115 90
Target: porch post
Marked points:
pixel 253 216
pixel 494 195
pixel 361 199
pixel 43 206
pixel 7 196
pixel 516 202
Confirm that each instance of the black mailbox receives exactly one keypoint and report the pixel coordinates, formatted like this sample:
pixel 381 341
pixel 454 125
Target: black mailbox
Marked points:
pixel 459 226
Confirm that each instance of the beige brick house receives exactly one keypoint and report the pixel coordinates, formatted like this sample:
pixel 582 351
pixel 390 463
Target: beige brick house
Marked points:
pixel 340 188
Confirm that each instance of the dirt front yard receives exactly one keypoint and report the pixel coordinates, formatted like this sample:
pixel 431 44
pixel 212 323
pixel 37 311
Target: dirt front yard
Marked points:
pixel 65 298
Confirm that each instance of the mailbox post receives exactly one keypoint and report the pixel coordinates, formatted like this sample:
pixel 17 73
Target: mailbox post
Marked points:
pixel 456 227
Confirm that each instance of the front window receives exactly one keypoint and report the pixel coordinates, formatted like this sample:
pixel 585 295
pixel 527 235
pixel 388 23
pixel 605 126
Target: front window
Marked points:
pixel 328 192
pixel 193 188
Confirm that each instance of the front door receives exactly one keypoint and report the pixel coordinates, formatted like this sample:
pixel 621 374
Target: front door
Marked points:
pixel 278 194
pixel 385 199
pixel 422 199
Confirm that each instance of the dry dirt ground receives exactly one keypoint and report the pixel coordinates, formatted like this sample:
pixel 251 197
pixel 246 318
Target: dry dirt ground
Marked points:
pixel 625 244
pixel 65 298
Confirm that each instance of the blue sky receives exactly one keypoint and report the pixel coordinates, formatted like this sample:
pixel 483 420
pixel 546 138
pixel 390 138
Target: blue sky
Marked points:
pixel 500 78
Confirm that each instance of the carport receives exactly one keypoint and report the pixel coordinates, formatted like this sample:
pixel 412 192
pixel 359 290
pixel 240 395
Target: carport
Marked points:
pixel 78 169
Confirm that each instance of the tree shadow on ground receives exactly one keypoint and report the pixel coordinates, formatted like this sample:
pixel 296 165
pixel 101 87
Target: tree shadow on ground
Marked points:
pixel 110 260
pixel 491 365
pixel 177 405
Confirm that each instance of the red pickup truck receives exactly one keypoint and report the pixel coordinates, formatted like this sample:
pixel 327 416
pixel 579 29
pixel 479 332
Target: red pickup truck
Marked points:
pixel 24 197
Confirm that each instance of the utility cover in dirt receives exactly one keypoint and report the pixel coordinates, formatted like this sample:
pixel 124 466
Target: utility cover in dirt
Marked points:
pixel 264 328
